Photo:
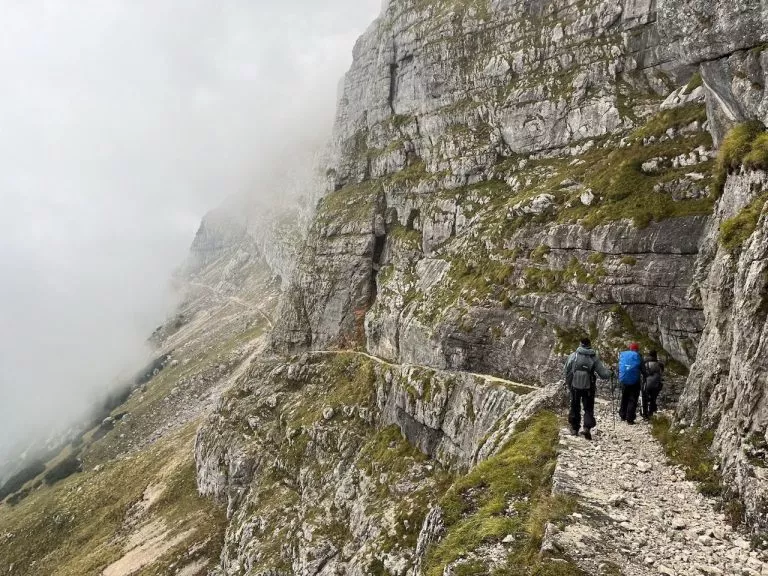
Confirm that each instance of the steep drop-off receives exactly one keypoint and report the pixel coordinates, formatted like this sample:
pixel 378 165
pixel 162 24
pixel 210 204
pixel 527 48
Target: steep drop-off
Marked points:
pixel 505 176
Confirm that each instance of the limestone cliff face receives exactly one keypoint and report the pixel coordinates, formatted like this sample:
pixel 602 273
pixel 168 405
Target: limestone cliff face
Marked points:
pixel 219 234
pixel 727 40
pixel 727 384
pixel 309 457
pixel 239 236
pixel 505 174
pixel 725 389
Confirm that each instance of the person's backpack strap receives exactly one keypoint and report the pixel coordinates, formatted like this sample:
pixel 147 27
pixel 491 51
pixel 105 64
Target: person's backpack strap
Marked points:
pixel 569 370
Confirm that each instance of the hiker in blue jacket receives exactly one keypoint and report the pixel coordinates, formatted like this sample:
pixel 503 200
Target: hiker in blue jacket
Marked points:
pixel 632 376
pixel 581 371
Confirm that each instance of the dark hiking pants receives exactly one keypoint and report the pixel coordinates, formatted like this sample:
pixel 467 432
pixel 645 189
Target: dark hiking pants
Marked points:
pixel 629 397
pixel 585 398
pixel 649 402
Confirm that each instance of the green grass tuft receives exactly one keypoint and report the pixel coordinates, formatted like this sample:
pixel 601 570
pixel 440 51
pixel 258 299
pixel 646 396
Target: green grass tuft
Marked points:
pixel 695 82
pixel 539 254
pixel 615 175
pixel 757 158
pixel 508 494
pixel 673 118
pixel 549 280
pixel 735 231
pixel 737 145
pixel 353 203
pixel 690 449
pixel 389 451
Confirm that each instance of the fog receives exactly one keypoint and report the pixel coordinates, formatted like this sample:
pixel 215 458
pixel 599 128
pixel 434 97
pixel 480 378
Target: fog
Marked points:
pixel 121 123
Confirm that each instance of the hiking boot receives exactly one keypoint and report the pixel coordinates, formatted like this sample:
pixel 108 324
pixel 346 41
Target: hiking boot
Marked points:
pixel 574 431
pixel 587 435
pixel 631 422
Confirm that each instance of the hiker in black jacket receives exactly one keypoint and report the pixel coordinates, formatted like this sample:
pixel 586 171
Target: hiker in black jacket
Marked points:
pixel 581 371
pixel 654 382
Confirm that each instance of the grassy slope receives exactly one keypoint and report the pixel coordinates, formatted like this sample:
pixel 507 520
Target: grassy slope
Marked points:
pixel 77 526
pixel 70 528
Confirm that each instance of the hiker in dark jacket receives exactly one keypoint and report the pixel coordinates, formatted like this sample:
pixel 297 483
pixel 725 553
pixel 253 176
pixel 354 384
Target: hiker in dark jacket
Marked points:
pixel 581 371
pixel 654 382
pixel 631 378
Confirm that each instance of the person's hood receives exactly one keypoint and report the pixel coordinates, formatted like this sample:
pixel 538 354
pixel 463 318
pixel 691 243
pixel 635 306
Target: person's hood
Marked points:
pixel 585 351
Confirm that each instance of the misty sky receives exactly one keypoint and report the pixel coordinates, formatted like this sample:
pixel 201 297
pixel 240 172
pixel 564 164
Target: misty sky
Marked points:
pixel 121 123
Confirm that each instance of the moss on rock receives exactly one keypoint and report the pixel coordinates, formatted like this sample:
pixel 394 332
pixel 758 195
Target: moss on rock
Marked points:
pixel 690 449
pixel 736 147
pixel 734 232
pixel 509 494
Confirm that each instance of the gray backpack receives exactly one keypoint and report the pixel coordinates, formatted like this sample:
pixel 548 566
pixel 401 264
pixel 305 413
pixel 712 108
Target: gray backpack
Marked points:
pixel 653 379
pixel 583 370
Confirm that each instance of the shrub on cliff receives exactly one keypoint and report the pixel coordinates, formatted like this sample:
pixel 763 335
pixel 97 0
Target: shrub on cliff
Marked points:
pixel 746 141
pixel 735 231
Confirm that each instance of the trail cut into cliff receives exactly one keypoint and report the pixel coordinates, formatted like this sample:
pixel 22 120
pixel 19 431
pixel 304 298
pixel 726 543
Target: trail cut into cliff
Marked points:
pixel 640 514
pixel 380 387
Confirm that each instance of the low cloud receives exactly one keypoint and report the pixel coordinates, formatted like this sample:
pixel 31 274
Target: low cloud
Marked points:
pixel 124 121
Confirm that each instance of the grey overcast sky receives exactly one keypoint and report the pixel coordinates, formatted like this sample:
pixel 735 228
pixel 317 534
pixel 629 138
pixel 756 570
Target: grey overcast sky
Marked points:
pixel 121 123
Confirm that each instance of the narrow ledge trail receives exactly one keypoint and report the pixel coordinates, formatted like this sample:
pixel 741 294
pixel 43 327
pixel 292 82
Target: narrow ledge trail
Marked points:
pixel 381 361
pixel 638 516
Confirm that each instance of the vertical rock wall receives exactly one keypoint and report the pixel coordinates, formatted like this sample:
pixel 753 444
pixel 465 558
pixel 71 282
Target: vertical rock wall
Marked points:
pixel 480 139
pixel 727 384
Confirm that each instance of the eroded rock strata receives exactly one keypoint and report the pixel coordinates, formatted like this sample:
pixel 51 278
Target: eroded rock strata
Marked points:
pixel 505 176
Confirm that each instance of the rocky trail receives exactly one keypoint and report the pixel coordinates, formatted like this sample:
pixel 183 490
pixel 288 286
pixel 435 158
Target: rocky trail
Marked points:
pixel 234 299
pixel 382 361
pixel 638 516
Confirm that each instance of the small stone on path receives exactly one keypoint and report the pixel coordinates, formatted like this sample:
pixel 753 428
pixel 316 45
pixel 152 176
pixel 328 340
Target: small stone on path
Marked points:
pixel 644 467
pixel 679 524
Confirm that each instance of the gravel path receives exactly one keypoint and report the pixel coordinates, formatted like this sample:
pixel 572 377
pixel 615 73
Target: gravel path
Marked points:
pixel 638 516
